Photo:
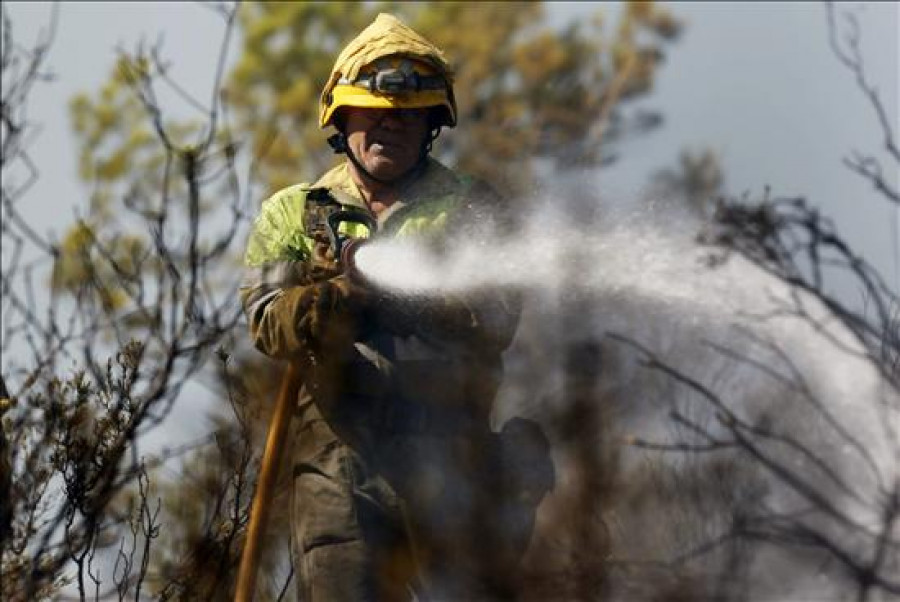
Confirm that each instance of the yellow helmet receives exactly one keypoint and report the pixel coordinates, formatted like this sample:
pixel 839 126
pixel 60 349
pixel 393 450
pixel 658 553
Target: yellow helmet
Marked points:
pixel 388 65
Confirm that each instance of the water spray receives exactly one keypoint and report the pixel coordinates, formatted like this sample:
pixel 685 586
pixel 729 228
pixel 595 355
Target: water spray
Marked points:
pixel 648 277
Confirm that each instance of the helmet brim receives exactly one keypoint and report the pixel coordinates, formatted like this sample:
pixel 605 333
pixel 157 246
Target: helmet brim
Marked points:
pixel 356 96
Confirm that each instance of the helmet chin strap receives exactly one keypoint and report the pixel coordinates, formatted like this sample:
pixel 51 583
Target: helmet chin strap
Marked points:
pixel 338 143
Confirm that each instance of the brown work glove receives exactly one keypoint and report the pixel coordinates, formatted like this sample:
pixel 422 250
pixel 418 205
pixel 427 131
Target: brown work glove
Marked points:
pixel 331 314
pixel 322 264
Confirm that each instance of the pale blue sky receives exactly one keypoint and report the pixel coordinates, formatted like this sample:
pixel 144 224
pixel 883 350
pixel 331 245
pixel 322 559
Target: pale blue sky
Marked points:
pixel 756 82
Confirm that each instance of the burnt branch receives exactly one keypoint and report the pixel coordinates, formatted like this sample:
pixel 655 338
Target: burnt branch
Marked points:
pixel 797 245
pixel 151 289
pixel 800 463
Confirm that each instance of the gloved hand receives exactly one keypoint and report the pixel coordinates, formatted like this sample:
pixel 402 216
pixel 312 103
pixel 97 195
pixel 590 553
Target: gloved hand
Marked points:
pixel 331 314
pixel 323 265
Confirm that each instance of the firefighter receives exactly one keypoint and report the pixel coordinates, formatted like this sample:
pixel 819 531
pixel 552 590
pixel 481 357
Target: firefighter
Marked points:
pixel 399 486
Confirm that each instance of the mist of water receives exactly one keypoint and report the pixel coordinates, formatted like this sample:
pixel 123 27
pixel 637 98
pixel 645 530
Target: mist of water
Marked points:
pixel 639 271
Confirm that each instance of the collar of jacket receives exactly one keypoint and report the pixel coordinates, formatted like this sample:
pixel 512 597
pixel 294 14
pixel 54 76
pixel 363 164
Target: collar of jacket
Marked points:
pixel 435 181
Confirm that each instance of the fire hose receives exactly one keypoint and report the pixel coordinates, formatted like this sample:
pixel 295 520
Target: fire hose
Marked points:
pixel 268 471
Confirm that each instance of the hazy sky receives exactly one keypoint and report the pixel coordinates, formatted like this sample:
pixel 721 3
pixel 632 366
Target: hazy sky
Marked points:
pixel 758 84
pixel 755 82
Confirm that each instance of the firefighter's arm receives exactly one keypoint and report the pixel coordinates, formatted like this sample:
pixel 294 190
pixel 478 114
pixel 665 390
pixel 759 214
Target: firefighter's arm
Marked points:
pixel 295 299
pixel 289 319
pixel 485 320
pixel 482 320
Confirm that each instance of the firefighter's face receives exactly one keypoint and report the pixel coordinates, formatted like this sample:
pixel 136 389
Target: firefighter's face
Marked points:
pixel 386 141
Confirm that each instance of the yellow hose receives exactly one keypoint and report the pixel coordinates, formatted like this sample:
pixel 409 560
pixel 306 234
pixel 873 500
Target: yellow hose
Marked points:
pixel 265 485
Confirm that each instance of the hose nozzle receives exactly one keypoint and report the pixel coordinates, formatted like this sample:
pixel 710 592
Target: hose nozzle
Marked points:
pixel 348 258
pixel 345 247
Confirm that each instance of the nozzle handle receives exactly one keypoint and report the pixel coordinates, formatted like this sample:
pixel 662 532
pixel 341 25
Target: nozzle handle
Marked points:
pixel 346 216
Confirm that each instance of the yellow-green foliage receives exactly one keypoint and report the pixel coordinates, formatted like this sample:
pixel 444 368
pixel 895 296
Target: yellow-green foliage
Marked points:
pixel 123 160
pixel 78 264
pixel 522 88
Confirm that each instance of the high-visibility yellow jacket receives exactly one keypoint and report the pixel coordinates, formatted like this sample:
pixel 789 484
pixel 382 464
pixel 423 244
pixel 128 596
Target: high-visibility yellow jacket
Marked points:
pixel 440 351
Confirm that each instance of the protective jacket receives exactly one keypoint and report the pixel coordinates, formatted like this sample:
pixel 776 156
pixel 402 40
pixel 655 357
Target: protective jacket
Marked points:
pixel 400 344
pixel 394 411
